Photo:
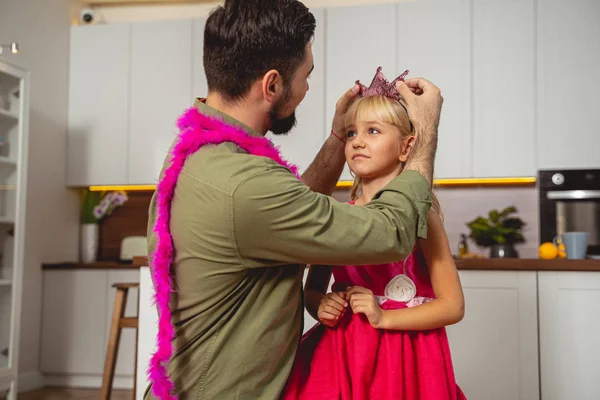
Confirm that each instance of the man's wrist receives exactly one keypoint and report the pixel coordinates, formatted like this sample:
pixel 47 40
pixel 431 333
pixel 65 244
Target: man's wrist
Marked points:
pixel 422 155
pixel 338 136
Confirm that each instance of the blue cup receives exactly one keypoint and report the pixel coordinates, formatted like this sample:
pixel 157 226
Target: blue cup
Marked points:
pixel 576 244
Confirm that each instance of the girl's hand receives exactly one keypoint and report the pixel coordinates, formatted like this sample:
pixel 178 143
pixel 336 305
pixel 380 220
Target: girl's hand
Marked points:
pixel 332 307
pixel 362 301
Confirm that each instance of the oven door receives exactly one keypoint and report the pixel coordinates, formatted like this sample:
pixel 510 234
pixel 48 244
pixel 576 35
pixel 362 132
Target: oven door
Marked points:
pixel 577 211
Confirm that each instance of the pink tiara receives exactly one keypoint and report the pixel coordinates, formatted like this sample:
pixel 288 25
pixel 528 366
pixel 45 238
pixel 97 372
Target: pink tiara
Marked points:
pixel 381 87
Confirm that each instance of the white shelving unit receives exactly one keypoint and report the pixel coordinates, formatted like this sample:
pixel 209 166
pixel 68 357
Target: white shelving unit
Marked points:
pixel 14 133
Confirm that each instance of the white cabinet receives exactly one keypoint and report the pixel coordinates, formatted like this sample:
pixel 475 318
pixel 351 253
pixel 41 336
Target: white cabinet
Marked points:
pixel 128 85
pixel 358 40
pixel 434 43
pixel 161 89
pixel 76 318
pixel 504 88
pixel 14 144
pixel 303 143
pixel 73 322
pixel 200 86
pixel 495 347
pixel 568 134
pixel 148 326
pixel 99 76
pixel 569 304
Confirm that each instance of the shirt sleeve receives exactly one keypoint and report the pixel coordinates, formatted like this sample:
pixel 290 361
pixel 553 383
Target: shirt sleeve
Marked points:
pixel 277 218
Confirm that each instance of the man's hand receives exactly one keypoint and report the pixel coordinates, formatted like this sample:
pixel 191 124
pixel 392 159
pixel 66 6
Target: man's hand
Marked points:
pixel 323 173
pixel 423 102
pixel 424 105
pixel 332 307
pixel 341 108
pixel 362 301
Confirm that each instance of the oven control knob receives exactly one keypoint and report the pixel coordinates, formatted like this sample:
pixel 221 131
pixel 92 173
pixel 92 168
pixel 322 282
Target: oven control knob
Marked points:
pixel 558 179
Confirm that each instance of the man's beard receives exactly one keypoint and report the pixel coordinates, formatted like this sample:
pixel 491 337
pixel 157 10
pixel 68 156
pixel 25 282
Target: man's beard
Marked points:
pixel 281 125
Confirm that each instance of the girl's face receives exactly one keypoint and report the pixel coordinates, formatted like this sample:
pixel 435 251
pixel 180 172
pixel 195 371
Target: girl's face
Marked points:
pixel 376 149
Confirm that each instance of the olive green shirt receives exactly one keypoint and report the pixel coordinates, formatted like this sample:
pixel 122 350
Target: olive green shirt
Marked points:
pixel 243 227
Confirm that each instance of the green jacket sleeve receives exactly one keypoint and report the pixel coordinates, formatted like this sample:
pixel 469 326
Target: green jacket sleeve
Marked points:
pixel 275 217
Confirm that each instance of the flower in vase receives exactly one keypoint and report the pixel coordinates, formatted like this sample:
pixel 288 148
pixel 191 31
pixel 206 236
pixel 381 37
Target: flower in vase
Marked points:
pixel 96 207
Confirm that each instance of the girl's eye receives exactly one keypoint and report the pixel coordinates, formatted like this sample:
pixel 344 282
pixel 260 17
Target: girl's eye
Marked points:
pixel 373 130
pixel 350 134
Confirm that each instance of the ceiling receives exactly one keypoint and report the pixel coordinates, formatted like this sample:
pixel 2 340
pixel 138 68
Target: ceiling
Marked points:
pixel 141 2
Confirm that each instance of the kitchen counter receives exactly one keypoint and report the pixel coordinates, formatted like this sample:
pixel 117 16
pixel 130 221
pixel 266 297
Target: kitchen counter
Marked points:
pixel 481 264
pixel 99 265
pixel 527 264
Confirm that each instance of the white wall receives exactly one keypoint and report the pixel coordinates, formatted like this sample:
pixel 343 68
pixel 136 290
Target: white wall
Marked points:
pixel 457 212
pixel 42 29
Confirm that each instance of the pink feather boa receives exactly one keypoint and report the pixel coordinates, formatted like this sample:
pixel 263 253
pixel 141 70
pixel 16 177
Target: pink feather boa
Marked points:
pixel 196 130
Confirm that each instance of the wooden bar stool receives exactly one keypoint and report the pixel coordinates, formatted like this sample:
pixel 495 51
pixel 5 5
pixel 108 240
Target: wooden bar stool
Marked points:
pixel 119 321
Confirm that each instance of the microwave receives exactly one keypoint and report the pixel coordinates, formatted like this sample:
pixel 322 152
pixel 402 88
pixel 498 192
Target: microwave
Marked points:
pixel 570 202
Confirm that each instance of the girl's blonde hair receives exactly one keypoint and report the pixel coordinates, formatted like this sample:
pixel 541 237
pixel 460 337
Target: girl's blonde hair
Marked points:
pixel 383 109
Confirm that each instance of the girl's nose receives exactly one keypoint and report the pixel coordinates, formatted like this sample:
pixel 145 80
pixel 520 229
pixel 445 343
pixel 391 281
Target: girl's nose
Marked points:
pixel 358 142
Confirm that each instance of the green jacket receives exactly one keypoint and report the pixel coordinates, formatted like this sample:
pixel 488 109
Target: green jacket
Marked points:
pixel 243 228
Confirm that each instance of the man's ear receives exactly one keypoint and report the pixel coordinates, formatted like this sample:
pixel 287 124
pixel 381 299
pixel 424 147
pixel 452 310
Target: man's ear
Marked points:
pixel 272 86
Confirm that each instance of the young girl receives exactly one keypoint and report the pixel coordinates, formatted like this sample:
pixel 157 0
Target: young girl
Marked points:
pixel 381 333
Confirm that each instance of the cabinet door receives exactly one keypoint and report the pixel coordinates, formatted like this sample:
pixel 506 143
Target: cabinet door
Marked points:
pixel 6 307
pixel 73 323
pixel 503 88
pixel 568 134
pixel 441 53
pixel 495 347
pixel 358 40
pixel 161 89
pixel 200 86
pixel 569 304
pixel 98 104
pixel 303 143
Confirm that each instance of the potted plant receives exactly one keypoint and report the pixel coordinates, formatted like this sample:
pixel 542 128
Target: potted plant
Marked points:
pixel 95 206
pixel 500 231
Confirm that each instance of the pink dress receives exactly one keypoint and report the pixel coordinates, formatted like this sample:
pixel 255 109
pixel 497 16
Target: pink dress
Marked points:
pixel 355 361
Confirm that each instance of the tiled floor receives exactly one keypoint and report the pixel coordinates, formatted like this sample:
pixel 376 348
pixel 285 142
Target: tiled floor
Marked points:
pixel 73 394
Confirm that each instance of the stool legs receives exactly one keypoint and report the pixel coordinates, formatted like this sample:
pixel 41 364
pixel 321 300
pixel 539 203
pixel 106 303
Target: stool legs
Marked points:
pixel 113 343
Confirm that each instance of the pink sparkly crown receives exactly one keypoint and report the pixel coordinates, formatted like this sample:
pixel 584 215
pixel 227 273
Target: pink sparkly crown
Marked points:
pixel 381 87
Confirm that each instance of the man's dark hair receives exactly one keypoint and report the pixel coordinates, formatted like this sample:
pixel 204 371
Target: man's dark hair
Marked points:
pixel 244 39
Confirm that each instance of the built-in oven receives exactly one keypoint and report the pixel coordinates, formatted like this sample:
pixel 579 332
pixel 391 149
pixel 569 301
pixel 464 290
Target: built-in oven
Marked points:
pixel 570 202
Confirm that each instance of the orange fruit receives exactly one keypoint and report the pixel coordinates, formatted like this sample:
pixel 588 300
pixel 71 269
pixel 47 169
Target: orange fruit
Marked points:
pixel 562 253
pixel 547 251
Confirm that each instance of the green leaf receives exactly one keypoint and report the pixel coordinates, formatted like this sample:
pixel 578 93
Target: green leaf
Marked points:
pixel 513 223
pixel 508 211
pixel 479 226
pixel 497 228
pixel 494 216
pixel 499 239
pixel 505 231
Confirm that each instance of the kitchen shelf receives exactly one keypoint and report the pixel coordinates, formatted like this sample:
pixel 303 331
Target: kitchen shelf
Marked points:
pixel 7 161
pixel 14 141
pixel 7 220
pixel 8 116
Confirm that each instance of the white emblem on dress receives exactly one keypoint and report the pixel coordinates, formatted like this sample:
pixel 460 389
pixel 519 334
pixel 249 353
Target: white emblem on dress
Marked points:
pixel 400 288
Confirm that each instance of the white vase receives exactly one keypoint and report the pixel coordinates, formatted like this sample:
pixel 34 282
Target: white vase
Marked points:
pixel 88 242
